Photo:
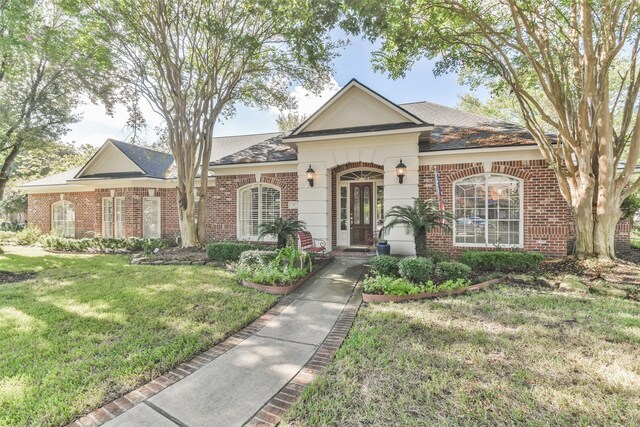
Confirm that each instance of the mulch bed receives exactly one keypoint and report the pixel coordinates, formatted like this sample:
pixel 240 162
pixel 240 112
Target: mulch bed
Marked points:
pixel 625 270
pixel 181 254
pixel 9 277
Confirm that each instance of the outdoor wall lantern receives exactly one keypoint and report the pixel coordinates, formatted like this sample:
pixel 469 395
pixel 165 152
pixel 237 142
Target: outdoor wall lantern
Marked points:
pixel 401 170
pixel 310 175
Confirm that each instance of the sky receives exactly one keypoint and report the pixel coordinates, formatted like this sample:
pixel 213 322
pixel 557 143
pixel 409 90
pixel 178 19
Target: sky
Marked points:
pixel 354 62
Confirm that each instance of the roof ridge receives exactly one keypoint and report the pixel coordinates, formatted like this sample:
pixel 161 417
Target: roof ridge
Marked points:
pixel 248 134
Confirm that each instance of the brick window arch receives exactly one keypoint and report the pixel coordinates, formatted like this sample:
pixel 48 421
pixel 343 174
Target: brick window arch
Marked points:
pixel 488 211
pixel 63 218
pixel 257 203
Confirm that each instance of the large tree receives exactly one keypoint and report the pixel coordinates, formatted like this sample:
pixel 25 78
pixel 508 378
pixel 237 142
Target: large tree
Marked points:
pixel 195 60
pixel 571 65
pixel 46 65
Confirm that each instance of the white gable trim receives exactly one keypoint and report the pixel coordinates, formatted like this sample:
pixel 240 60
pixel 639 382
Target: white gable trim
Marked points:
pixel 95 158
pixel 417 129
pixel 354 83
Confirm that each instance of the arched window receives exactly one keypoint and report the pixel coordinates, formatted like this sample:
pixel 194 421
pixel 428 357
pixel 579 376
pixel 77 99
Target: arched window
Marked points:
pixel 63 218
pixel 488 211
pixel 257 203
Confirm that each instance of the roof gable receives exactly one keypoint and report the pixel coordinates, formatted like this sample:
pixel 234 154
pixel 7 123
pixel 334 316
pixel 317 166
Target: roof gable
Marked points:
pixel 117 159
pixel 356 106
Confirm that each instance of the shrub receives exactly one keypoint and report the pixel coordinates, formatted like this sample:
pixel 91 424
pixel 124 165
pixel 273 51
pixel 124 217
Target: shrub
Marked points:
pixel 389 285
pixel 7 236
pixel 228 251
pixel 437 256
pixel 416 269
pixel 451 285
pixel 98 244
pixel 27 236
pixel 451 270
pixel 256 258
pixel 502 260
pixel 385 265
pixel 273 274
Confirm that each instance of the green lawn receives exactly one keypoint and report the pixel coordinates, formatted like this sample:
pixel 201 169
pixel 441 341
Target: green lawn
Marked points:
pixel 507 356
pixel 89 329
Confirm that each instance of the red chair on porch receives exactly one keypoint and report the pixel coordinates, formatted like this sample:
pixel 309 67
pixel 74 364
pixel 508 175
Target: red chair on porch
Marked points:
pixel 307 243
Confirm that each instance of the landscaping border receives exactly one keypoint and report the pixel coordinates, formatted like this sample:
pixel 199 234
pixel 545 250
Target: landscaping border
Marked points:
pixel 285 290
pixel 425 295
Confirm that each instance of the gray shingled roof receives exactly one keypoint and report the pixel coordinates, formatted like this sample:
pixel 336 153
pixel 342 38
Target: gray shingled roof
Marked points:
pixel 224 146
pixel 56 179
pixel 153 163
pixel 268 150
pixel 456 129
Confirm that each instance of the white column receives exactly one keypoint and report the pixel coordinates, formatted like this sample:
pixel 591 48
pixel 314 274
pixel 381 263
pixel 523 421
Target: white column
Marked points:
pixel 314 203
pixel 396 194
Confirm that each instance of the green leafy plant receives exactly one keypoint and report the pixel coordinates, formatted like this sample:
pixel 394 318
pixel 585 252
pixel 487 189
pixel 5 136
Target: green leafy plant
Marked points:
pixel 281 229
pixel 273 274
pixel 27 236
pixel 228 251
pixel 292 255
pixel 389 285
pixel 256 259
pixel 102 245
pixel 451 270
pixel 385 265
pixel 418 220
pixel 631 206
pixel 502 260
pixel 415 269
pixel 452 285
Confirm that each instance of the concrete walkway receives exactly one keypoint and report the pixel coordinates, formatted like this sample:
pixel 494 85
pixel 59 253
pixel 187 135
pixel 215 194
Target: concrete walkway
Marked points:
pixel 232 388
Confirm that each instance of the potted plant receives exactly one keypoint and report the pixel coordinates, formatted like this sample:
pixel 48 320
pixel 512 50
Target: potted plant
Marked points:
pixel 382 246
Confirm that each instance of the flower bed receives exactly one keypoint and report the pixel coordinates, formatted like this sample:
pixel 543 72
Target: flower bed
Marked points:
pixel 277 272
pixel 393 279
pixel 425 295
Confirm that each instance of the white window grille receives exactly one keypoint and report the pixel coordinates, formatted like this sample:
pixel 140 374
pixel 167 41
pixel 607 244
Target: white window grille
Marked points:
pixel 63 218
pixel 488 211
pixel 257 204
pixel 151 218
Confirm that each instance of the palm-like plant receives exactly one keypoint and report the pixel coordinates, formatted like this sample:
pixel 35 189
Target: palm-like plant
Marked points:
pixel 281 228
pixel 418 220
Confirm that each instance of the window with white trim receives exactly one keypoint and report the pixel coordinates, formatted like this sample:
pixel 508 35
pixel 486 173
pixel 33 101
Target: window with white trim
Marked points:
pixel 119 230
pixel 151 218
pixel 488 211
pixel 257 204
pixel 107 217
pixel 63 218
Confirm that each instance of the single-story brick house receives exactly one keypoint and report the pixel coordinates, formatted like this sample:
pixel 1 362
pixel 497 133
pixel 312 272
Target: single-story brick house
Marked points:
pixel 339 172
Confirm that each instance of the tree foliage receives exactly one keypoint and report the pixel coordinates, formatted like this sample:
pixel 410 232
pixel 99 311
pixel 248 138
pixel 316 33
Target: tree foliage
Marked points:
pixel 290 120
pixel 47 63
pixel 194 61
pixel 571 66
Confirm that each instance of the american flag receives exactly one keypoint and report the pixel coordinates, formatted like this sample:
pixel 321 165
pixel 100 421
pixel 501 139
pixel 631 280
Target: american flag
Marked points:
pixel 438 190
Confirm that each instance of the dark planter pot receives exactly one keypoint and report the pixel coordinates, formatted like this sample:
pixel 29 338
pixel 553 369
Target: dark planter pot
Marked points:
pixel 383 249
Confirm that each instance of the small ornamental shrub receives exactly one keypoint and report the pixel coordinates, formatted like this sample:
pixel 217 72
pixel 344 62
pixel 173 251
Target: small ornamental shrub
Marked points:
pixel 416 269
pixel 27 236
pixel 437 256
pixel 389 285
pixel 255 258
pixel 7 236
pixel 502 261
pixel 102 245
pixel 385 265
pixel 451 270
pixel 228 251
pixel 273 274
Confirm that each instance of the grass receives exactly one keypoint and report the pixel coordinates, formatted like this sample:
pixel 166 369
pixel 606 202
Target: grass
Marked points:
pixel 635 240
pixel 90 328
pixel 509 356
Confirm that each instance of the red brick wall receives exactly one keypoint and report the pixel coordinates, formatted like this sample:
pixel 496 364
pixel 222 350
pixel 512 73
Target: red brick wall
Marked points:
pixel 220 217
pixel 546 217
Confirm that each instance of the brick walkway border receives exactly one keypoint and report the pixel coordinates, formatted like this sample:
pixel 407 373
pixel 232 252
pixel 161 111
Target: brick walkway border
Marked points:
pixel 129 400
pixel 271 413
pixel 319 360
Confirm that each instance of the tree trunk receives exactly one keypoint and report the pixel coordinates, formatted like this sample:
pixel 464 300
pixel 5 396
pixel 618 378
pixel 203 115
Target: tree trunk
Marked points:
pixel 187 215
pixel 6 167
pixel 420 240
